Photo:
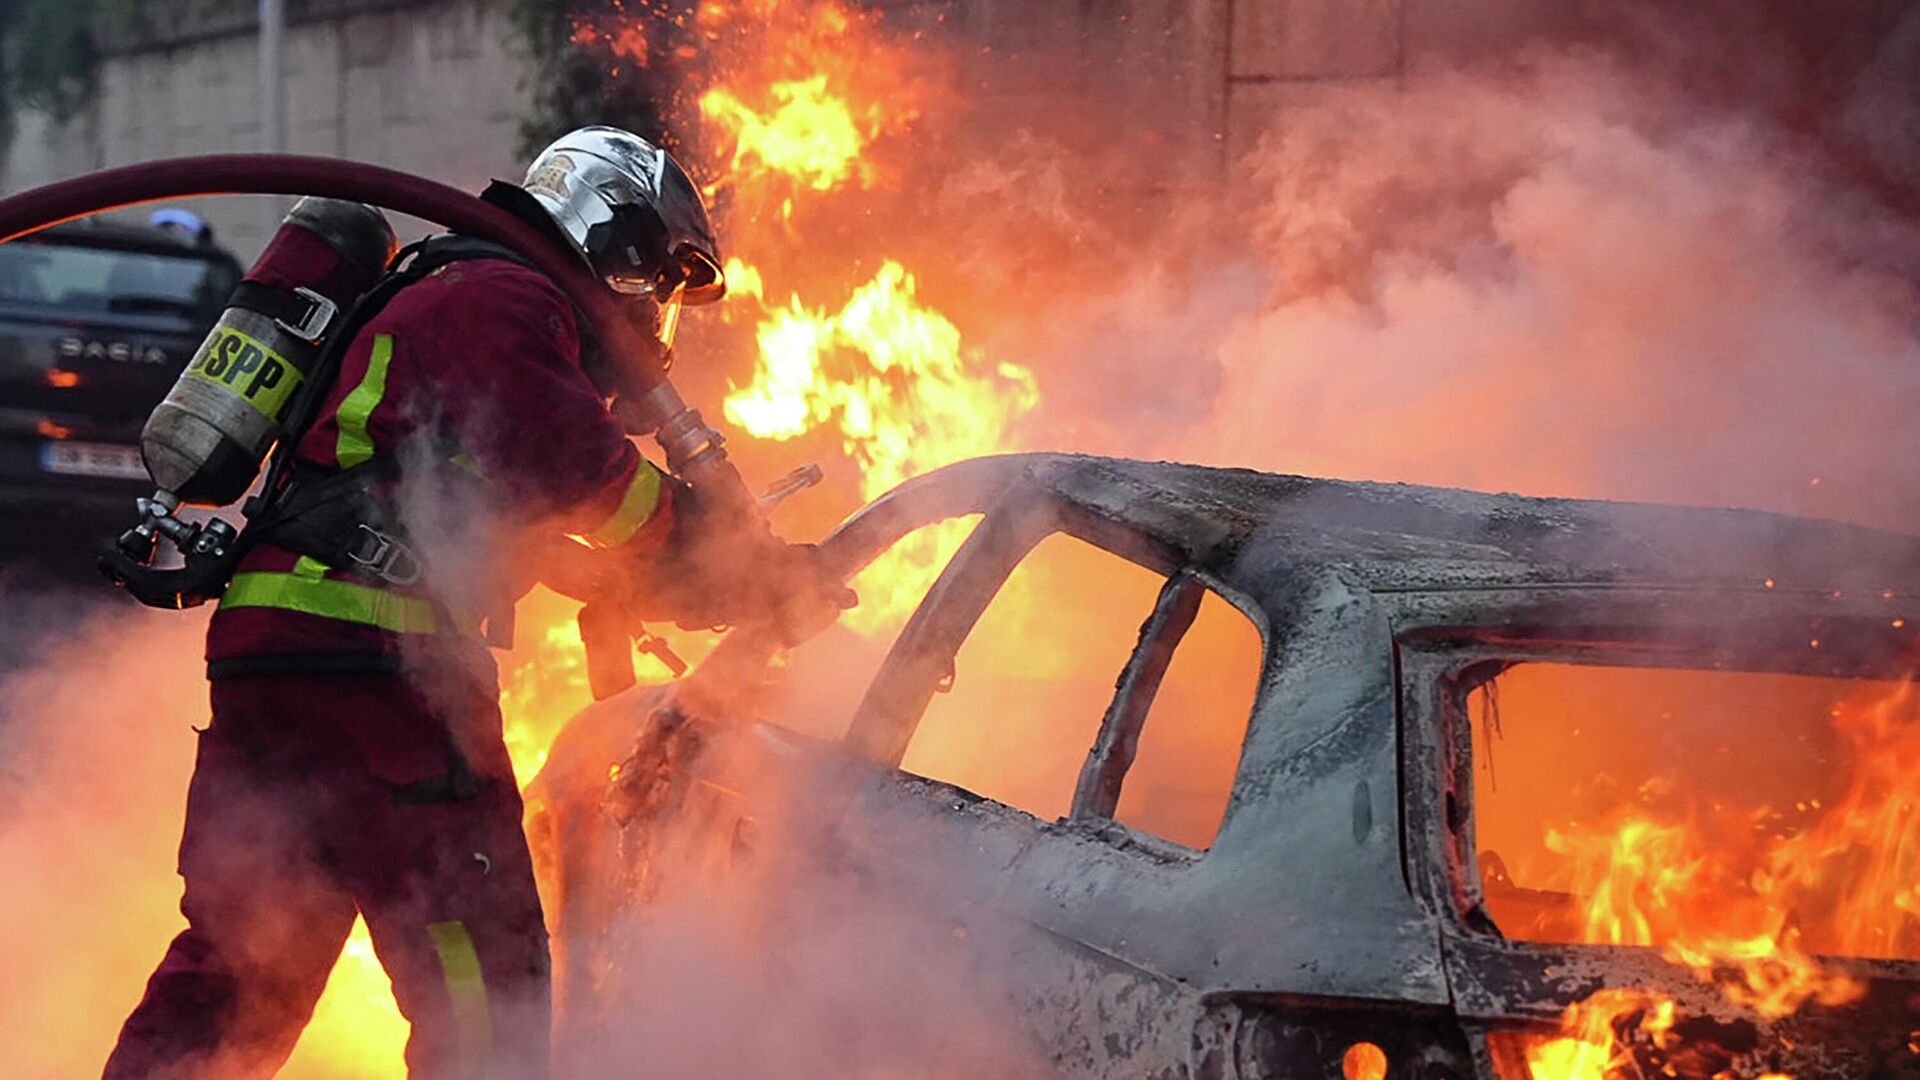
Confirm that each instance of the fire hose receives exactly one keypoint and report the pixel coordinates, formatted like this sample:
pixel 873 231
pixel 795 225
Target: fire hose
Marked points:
pixel 647 405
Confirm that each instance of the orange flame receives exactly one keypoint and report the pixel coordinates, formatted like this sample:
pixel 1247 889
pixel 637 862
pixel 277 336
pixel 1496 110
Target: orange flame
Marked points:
pixel 1588 1048
pixel 807 88
pixel 356 1032
pixel 892 378
pixel 807 133
pixel 1750 922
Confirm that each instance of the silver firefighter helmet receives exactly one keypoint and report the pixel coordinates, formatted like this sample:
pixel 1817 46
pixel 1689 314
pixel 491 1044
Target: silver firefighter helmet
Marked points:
pixel 635 215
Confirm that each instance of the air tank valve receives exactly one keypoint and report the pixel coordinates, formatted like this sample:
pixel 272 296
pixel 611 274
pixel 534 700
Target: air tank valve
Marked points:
pixel 204 444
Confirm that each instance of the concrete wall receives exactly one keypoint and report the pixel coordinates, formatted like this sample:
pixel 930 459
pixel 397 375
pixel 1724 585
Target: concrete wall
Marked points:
pixel 1192 83
pixel 443 86
pixel 439 87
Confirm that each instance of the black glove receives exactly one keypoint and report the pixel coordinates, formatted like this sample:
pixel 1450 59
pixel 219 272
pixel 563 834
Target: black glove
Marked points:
pixel 725 568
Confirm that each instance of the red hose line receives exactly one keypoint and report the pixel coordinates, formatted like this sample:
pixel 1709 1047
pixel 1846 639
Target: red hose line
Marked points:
pixel 294 174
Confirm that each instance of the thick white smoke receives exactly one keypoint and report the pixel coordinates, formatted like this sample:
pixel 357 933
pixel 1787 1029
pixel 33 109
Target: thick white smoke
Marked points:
pixel 792 964
pixel 1549 282
pixel 1565 276
pixel 96 743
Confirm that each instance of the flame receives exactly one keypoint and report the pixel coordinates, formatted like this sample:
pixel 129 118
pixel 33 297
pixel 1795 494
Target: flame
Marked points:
pixel 1865 848
pixel 1651 884
pixel 807 88
pixel 1749 919
pixel 803 94
pixel 806 134
pixel 356 1032
pixel 1588 1047
pixel 892 379
pixel 1857 866
pixel 1636 872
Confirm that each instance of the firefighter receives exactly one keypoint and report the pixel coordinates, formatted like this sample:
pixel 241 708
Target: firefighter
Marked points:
pixel 355 761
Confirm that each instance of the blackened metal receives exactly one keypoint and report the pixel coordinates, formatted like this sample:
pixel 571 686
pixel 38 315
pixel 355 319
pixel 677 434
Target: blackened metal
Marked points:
pixel 1341 899
pixel 1097 795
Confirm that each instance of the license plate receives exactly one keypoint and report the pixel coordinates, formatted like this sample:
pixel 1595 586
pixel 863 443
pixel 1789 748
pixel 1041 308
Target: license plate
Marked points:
pixel 93 459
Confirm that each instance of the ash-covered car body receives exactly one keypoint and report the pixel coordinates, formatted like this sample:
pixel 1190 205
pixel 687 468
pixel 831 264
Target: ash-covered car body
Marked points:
pixel 1340 900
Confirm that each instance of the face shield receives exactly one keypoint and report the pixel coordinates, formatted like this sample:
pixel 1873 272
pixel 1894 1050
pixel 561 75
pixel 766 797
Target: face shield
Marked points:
pixel 659 317
pixel 629 252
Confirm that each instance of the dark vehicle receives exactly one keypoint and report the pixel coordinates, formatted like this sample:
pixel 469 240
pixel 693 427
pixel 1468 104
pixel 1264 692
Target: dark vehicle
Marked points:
pixel 1367 863
pixel 97 319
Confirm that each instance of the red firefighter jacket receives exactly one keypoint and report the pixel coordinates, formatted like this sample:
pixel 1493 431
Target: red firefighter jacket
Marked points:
pixel 487 353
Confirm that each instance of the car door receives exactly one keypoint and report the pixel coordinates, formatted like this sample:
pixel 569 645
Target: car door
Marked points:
pixel 1040 673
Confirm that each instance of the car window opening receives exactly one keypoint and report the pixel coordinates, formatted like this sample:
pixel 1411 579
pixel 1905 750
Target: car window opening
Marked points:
pixel 1189 752
pixel 815 687
pixel 1713 814
pixel 1034 679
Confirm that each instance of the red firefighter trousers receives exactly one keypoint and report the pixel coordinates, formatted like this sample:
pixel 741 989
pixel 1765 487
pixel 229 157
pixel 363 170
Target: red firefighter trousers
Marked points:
pixel 314 797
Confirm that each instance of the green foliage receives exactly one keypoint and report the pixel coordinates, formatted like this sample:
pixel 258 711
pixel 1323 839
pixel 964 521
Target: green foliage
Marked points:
pixel 47 53
pixel 49 60
pixel 580 82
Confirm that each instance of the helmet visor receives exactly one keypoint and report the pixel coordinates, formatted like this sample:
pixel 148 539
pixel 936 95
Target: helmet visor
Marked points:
pixel 667 324
pixel 658 317
pixel 632 284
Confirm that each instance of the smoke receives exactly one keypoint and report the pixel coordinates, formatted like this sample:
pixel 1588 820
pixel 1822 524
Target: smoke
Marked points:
pixel 97 745
pixel 728 922
pixel 806 975
pixel 1664 258
pixel 1548 282
pixel 95 749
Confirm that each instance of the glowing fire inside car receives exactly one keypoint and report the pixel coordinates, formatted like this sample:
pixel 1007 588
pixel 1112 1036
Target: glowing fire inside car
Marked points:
pixel 1739 824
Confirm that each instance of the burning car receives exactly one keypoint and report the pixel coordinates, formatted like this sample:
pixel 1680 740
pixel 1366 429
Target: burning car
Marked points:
pixel 1513 787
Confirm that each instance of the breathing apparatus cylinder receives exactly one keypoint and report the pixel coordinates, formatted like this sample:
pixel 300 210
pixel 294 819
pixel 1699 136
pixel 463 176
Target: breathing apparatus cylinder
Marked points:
pixel 204 444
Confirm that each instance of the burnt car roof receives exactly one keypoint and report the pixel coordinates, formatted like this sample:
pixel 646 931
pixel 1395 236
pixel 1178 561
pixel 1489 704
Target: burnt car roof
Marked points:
pixel 1409 537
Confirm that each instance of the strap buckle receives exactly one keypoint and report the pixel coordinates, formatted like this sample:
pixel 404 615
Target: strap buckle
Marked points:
pixel 377 554
pixel 315 321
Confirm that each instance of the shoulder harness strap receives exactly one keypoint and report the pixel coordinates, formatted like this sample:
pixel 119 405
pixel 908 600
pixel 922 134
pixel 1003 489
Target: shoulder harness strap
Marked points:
pixel 331 516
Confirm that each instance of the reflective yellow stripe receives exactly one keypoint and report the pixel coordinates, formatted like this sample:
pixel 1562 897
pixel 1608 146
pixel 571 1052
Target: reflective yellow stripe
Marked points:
pixel 639 503
pixel 357 407
pixel 467 994
pixel 305 591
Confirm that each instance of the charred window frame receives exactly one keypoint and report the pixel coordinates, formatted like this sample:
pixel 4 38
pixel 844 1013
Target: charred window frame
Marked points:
pixel 1440 668
pixel 1502 985
pixel 1466 886
pixel 1097 794
pixel 921 660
